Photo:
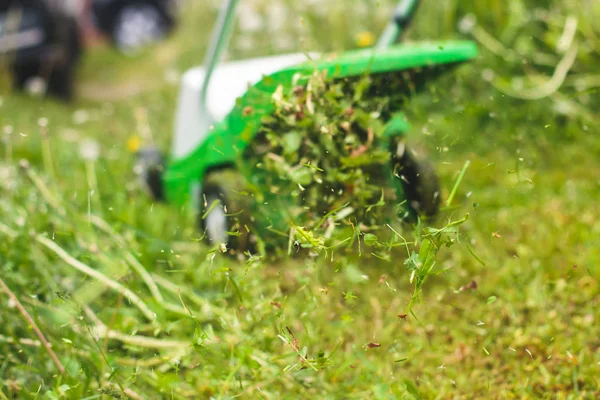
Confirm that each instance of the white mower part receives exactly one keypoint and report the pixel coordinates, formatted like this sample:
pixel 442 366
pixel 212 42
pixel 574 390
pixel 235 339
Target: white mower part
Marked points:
pixel 216 224
pixel 229 81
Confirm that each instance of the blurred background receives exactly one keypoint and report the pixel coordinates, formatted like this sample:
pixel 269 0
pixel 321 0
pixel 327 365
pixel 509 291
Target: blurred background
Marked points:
pixel 107 50
pixel 45 39
pixel 128 44
pixel 116 48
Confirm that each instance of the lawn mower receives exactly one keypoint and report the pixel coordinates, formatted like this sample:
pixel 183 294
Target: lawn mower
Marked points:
pixel 213 128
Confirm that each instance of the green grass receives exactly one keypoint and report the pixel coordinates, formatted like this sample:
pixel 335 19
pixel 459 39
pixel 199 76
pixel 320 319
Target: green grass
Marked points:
pixel 319 327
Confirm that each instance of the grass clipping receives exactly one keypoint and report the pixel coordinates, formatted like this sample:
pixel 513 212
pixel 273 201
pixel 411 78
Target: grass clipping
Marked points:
pixel 322 164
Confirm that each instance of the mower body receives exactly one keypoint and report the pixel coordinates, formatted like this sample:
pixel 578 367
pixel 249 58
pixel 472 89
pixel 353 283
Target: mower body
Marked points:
pixel 222 107
pixel 214 135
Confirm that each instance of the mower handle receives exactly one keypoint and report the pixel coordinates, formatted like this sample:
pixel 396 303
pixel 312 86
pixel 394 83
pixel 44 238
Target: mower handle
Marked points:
pixel 218 42
pixel 402 17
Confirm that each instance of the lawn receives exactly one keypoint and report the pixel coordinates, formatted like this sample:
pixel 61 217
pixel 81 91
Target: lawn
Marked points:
pixel 135 305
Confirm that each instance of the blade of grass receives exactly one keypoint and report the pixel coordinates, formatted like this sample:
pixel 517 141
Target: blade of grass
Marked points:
pixel 33 325
pixel 457 183
pixel 78 265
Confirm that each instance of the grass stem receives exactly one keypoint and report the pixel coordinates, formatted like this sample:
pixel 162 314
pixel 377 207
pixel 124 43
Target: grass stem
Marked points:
pixel 457 183
pixel 33 325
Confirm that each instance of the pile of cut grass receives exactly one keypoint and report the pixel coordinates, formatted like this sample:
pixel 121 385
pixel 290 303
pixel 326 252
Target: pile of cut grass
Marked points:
pixel 324 169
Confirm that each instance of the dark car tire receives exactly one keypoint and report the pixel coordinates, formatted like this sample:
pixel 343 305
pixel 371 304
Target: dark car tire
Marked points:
pixel 150 166
pixel 144 16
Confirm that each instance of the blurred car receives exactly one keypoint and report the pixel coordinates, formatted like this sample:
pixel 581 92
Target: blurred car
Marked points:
pixel 41 38
pixel 132 24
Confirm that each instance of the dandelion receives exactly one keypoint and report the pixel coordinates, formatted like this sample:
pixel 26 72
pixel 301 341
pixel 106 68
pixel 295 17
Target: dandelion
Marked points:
pixel 89 150
pixel 133 144
pixel 81 117
pixel 365 39
pixel 36 86
pixel 467 23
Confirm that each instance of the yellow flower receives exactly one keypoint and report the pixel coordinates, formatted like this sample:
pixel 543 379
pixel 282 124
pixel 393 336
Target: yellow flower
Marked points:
pixel 365 39
pixel 133 144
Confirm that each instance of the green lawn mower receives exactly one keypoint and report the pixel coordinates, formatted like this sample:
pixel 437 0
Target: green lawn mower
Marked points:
pixel 214 128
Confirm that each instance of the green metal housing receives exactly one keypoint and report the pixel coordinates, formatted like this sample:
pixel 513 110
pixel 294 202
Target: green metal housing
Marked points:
pixel 229 138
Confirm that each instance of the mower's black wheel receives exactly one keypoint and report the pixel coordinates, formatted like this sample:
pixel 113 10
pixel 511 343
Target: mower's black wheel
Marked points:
pixel 225 210
pixel 149 166
pixel 420 182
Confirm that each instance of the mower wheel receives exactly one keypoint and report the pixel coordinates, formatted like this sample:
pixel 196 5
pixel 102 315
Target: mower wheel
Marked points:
pixel 224 212
pixel 149 167
pixel 420 182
